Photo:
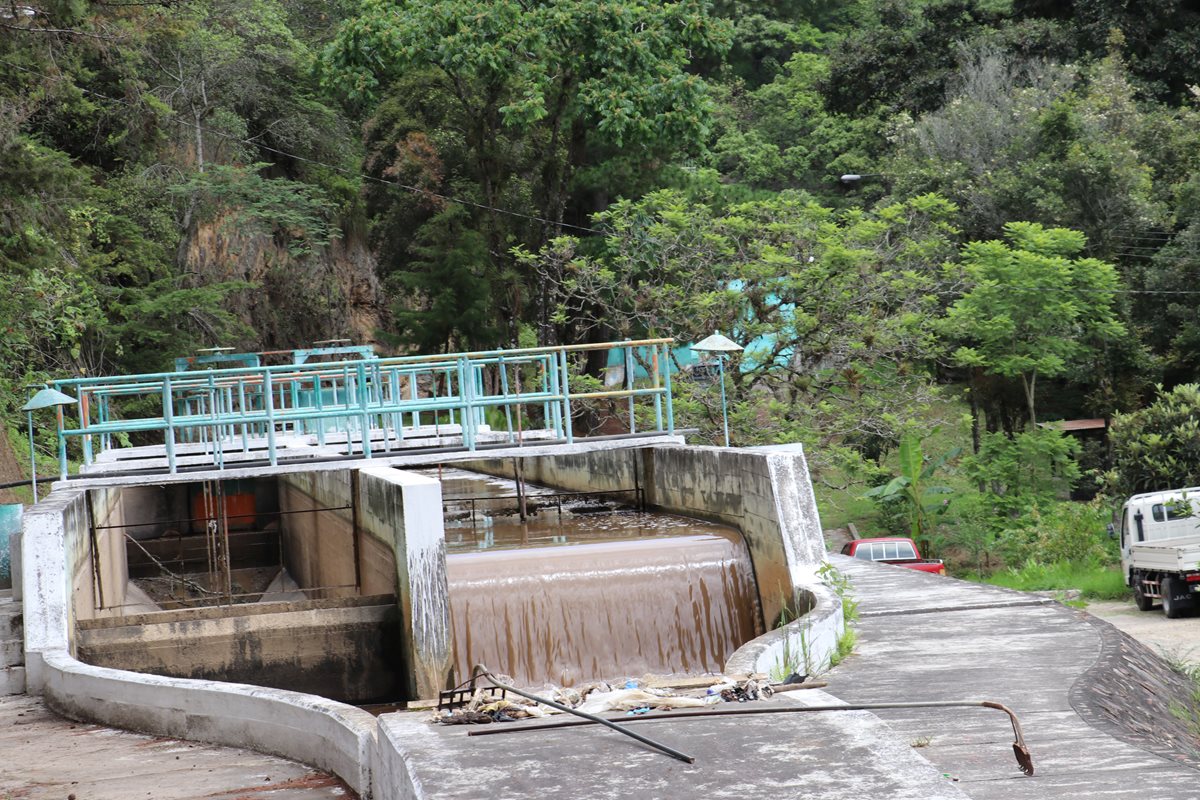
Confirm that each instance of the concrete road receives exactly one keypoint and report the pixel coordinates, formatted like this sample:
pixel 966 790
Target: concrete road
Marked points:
pixel 1079 687
pixel 46 757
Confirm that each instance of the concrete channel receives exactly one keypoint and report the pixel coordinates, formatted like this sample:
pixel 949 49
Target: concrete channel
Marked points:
pixel 377 543
pixel 364 545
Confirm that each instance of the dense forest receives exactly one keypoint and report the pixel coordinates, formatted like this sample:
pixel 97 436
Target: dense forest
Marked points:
pixel 1016 239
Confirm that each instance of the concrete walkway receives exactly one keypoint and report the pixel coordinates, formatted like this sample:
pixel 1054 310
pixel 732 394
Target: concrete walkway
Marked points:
pixel 46 757
pixel 847 755
pixel 1080 688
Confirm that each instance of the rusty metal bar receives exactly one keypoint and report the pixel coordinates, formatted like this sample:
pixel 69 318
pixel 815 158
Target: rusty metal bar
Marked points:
pixel 1020 750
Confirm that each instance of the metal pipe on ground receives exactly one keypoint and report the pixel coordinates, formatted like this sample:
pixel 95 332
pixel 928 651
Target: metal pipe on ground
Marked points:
pixel 1020 750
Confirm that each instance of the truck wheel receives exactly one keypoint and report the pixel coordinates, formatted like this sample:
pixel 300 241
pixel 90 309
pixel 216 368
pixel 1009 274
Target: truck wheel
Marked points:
pixel 1172 607
pixel 1140 599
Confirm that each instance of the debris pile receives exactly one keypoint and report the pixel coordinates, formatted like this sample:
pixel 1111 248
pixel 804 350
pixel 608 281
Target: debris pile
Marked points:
pixel 653 693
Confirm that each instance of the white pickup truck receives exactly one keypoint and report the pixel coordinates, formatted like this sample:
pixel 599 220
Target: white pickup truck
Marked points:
pixel 1160 549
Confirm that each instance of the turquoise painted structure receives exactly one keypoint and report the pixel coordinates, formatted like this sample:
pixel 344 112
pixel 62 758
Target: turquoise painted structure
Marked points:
pixel 227 409
pixel 10 525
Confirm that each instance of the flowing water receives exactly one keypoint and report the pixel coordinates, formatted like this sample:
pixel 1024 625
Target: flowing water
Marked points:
pixel 587 592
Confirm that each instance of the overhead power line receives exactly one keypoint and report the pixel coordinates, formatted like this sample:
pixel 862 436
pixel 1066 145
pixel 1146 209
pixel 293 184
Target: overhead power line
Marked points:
pixel 535 218
pixel 343 170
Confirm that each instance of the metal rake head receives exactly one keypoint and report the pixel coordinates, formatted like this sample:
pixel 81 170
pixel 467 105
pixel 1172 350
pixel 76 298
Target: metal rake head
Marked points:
pixel 1023 758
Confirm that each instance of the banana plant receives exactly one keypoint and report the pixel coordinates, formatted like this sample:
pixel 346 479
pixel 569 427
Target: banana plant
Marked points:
pixel 911 487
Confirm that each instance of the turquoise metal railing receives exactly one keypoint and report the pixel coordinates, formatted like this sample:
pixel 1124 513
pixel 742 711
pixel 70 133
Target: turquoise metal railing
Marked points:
pixel 207 414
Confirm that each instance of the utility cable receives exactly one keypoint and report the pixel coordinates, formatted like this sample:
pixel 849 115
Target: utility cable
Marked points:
pixel 517 214
pixel 343 170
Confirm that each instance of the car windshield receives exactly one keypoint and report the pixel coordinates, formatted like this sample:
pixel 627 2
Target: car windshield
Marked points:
pixel 885 551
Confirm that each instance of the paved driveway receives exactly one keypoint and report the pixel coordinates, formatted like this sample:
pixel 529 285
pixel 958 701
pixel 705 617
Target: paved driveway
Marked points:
pixel 1082 690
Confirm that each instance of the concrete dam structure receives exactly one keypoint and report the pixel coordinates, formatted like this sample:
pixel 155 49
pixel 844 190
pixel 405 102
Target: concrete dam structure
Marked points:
pixel 595 592
pixel 259 601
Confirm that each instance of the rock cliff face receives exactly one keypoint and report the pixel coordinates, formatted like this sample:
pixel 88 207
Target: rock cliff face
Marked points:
pixel 332 292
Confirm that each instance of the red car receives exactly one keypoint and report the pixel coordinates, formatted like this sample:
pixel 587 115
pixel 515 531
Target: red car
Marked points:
pixel 896 550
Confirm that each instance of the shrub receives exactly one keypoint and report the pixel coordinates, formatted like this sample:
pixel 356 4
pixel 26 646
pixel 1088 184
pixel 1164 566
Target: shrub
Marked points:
pixel 1158 448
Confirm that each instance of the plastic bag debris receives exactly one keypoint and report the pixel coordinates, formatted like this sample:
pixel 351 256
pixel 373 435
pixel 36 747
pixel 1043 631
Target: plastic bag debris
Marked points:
pixel 629 699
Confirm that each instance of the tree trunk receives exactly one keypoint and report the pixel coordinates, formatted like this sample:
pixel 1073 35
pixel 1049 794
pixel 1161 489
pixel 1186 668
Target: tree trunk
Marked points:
pixel 1029 384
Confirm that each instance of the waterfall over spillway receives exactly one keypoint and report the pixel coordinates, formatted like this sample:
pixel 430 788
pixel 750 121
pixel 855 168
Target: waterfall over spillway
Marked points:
pixel 566 598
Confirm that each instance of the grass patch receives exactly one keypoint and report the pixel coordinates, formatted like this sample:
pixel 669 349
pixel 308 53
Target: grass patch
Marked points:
pixel 840 507
pixel 845 646
pixel 1094 582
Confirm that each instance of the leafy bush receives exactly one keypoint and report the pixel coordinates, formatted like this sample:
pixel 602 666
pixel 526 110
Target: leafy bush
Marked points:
pixel 1054 533
pixel 1158 447
pixel 1030 467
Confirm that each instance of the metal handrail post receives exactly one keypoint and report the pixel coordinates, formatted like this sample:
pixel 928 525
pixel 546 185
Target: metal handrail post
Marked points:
pixel 269 399
pixel 464 394
pixel 215 416
pixel 168 406
pixel 629 386
pixel 667 387
pixel 566 395
pixel 412 395
pixel 84 413
pixel 395 397
pixel 320 403
pixel 242 410
pixel 346 421
pixel 364 404
pixel 295 392
pixel 504 394
pixel 550 371
pixel 658 411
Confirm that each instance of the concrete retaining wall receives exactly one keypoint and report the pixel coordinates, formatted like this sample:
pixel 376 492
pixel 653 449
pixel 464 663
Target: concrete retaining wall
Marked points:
pixel 805 645
pixel 313 730
pixel 318 544
pixel 343 650
pixel 404 511
pixel 328 735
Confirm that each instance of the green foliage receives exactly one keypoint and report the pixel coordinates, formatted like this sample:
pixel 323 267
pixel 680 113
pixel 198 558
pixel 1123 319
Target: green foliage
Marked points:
pixel 1093 581
pixel 1059 533
pixel 845 646
pixel 1158 447
pixel 835 305
pixel 1033 306
pixel 1026 138
pixel 619 65
pixel 245 201
pixel 1016 472
pixel 842 586
pixel 523 108
pixel 910 490
pixel 445 296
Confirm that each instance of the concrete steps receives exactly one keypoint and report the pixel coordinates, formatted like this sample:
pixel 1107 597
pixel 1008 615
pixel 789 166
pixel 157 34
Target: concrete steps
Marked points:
pixel 12 646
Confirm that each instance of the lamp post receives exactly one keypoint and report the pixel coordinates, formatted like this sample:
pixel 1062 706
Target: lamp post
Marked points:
pixel 852 177
pixel 45 398
pixel 721 346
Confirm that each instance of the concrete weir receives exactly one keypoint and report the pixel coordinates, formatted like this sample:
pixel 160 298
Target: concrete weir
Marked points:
pixel 366 610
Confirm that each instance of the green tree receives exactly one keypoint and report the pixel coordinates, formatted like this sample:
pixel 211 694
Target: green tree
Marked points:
pixel 1017 471
pixel 1032 307
pixel 533 94
pixel 833 307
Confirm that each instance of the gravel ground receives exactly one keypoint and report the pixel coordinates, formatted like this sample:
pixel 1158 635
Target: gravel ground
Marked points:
pixel 1175 639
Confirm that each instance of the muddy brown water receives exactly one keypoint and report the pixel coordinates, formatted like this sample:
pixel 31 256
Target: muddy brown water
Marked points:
pixel 591 593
